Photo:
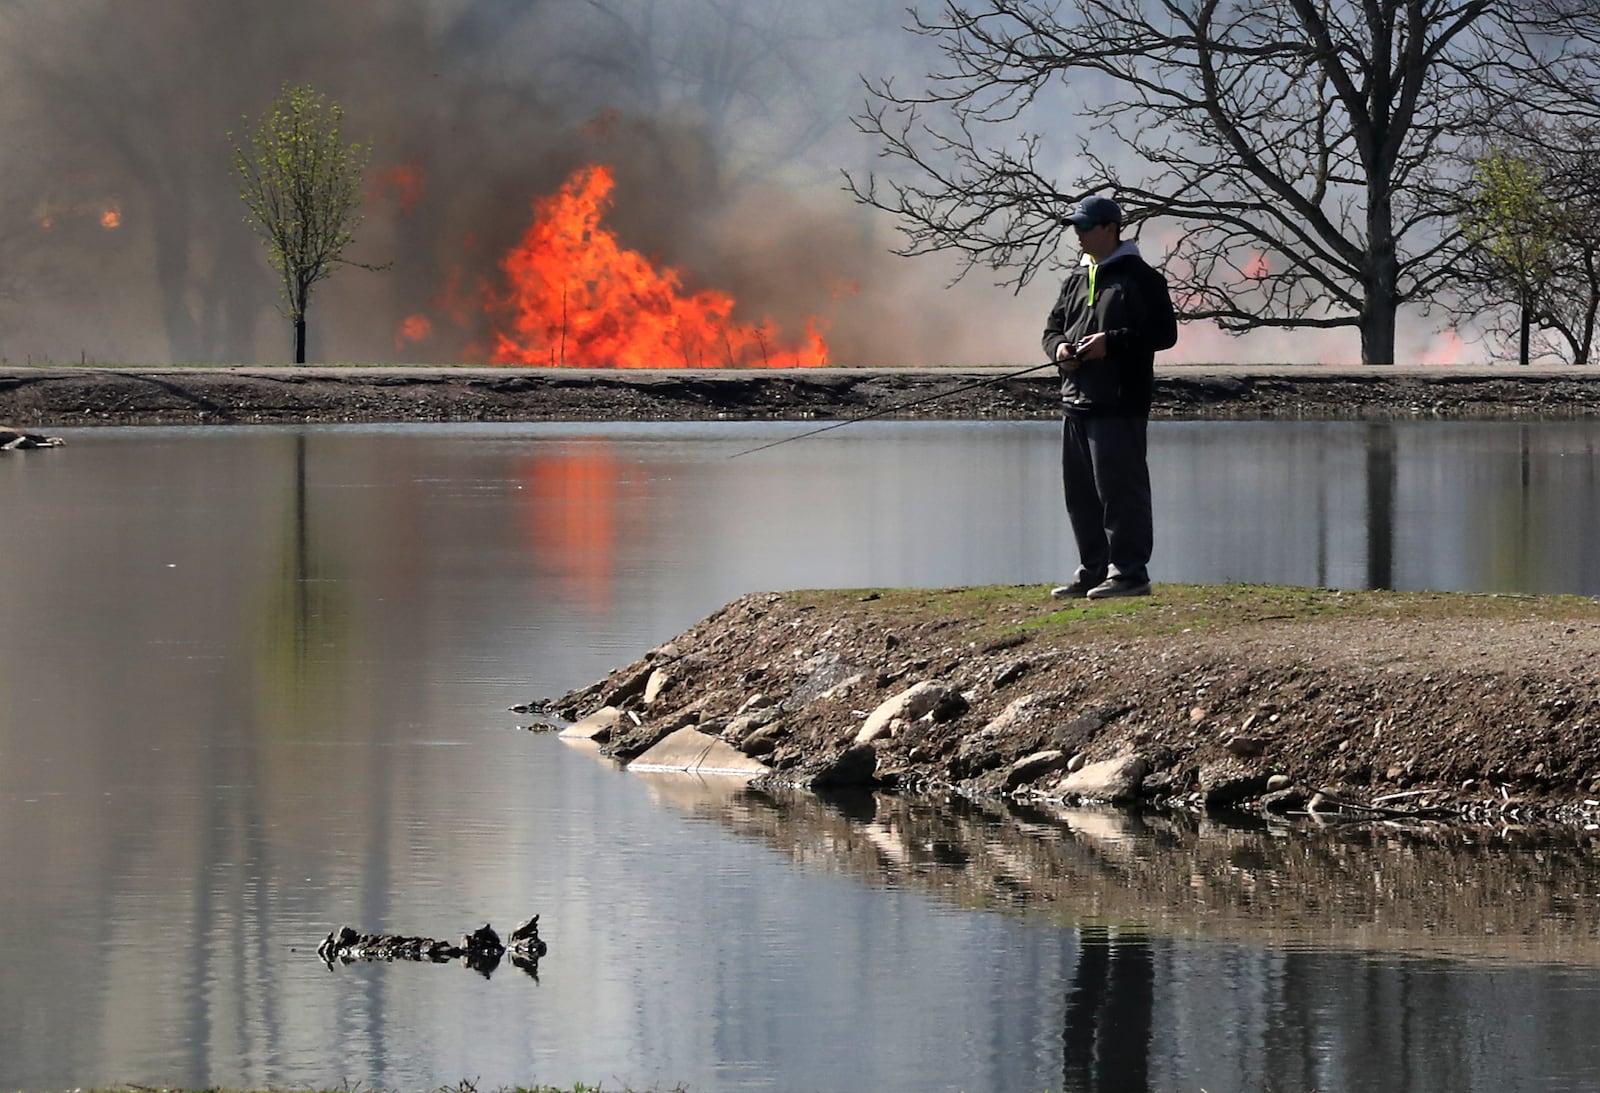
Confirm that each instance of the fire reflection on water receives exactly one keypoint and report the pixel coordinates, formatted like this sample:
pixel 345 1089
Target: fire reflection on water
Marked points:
pixel 571 504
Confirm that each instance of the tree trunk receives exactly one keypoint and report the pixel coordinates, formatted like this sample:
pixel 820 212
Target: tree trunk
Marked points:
pixel 1587 348
pixel 300 339
pixel 1377 324
pixel 1523 335
pixel 1382 280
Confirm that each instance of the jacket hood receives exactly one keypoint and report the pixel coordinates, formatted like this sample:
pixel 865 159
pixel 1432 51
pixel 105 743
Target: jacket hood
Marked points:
pixel 1124 249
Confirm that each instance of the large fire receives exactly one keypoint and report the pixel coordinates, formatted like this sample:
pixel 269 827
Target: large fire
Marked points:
pixel 576 297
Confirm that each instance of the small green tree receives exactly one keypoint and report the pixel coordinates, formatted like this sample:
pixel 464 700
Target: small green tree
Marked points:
pixel 302 189
pixel 1514 228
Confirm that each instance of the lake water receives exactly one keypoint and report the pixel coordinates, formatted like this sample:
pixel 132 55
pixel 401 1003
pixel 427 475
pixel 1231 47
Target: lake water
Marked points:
pixel 255 684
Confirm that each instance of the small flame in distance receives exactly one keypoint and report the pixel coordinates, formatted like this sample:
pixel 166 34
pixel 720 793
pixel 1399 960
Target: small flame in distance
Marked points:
pixel 403 181
pixel 576 297
pixel 413 328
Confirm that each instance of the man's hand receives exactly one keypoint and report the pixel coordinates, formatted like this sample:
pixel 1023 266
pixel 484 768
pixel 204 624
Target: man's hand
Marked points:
pixel 1066 356
pixel 1092 348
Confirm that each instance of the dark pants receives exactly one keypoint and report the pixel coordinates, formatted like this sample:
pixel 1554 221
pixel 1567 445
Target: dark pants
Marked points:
pixel 1107 483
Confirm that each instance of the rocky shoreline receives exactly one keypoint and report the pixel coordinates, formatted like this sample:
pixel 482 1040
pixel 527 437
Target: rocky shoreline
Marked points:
pixel 47 396
pixel 1310 705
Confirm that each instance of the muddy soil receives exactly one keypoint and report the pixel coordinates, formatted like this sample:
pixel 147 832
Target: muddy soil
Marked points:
pixel 1414 707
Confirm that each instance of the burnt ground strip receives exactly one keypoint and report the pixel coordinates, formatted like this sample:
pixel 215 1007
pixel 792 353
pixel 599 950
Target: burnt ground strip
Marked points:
pixel 31 397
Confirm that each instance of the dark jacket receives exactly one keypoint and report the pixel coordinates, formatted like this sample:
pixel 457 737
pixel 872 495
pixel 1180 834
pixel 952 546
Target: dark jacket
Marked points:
pixel 1133 308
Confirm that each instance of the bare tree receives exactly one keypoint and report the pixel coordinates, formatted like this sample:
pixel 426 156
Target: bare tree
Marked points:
pixel 302 187
pixel 1308 152
pixel 1573 313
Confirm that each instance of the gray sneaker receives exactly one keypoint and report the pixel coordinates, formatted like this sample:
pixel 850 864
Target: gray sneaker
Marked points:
pixel 1113 587
pixel 1077 590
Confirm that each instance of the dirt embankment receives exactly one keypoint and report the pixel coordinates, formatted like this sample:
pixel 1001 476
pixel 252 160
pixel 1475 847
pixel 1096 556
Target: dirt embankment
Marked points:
pixel 1366 705
pixel 41 396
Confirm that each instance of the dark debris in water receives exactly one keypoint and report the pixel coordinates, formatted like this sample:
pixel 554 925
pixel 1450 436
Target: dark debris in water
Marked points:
pixel 481 950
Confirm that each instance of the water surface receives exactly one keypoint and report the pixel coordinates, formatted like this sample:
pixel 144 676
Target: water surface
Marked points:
pixel 254 683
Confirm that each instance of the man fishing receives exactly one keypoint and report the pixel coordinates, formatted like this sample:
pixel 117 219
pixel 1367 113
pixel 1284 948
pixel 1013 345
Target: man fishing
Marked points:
pixel 1114 313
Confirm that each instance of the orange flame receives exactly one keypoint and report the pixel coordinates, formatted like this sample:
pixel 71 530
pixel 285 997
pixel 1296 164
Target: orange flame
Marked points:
pixel 111 218
pixel 1444 351
pixel 413 328
pixel 577 298
pixel 404 180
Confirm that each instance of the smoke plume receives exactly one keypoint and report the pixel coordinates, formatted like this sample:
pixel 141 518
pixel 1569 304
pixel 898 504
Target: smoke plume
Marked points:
pixel 726 124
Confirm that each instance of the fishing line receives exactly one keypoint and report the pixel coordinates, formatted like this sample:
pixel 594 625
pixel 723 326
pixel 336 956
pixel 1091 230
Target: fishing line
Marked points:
pixel 898 407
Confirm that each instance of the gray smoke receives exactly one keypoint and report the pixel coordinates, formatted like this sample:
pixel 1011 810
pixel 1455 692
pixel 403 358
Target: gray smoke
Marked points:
pixel 726 122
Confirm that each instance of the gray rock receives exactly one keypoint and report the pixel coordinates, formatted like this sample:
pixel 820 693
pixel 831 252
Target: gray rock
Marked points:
pixel 1033 767
pixel 630 741
pixel 1110 780
pixel 855 766
pixel 1291 798
pixel 976 756
pixel 1080 732
pixel 659 683
pixel 1246 746
pixel 1161 783
pixel 1016 715
pixel 910 704
pixel 629 688
pixel 1228 781
pixel 824 674
pixel 1012 672
pixel 684 717
pixel 748 723
pixel 762 742
pixel 949 707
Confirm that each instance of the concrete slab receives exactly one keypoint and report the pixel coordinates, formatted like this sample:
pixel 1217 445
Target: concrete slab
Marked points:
pixel 691 751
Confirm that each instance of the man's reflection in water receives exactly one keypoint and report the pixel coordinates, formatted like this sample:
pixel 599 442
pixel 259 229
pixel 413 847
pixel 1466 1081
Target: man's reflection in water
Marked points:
pixel 1109 1015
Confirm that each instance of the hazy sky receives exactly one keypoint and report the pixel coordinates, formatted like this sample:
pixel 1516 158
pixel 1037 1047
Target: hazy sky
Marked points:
pixel 727 123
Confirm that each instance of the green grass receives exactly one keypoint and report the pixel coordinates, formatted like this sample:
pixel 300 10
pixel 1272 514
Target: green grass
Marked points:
pixel 993 612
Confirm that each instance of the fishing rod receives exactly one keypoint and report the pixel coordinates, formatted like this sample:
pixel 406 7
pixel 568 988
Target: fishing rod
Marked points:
pixel 898 407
